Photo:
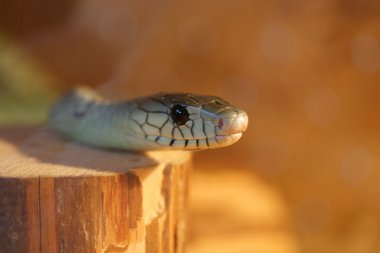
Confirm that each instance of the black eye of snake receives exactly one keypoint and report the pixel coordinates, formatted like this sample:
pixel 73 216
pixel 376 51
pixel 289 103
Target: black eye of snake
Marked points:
pixel 179 114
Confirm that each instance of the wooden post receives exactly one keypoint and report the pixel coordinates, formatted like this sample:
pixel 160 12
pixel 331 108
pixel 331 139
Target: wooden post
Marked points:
pixel 58 196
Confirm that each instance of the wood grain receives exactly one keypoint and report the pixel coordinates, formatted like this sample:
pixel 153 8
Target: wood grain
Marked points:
pixel 57 196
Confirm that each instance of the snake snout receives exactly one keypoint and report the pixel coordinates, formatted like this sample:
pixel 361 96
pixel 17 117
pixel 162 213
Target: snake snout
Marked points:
pixel 234 124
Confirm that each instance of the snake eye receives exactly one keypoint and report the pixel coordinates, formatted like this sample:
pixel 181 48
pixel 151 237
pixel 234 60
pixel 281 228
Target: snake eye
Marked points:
pixel 179 114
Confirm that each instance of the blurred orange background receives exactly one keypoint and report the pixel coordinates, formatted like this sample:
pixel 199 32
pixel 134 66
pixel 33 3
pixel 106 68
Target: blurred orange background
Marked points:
pixel 304 177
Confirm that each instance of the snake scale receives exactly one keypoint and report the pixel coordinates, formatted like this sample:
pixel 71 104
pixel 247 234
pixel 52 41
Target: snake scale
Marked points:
pixel 162 121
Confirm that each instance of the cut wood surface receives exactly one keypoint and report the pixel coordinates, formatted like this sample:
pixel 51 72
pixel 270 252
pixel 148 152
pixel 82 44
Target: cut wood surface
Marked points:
pixel 59 196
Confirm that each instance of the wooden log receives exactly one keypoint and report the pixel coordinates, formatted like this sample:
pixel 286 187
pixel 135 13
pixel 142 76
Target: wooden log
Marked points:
pixel 59 196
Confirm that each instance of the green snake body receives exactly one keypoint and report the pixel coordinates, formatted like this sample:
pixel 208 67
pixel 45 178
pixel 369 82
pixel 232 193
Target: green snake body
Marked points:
pixel 162 121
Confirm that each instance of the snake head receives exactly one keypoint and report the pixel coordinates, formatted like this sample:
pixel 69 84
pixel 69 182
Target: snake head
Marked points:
pixel 188 121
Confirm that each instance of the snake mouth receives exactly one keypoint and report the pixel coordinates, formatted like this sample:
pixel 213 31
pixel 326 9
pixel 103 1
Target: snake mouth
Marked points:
pixel 226 140
pixel 216 141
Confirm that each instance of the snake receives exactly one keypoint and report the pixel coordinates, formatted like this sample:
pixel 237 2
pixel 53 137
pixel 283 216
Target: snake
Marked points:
pixel 177 121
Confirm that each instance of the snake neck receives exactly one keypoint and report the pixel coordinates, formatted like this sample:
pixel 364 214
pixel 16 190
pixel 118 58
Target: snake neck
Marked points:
pixel 88 118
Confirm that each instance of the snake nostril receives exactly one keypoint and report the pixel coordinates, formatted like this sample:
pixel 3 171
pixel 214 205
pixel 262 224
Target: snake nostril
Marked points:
pixel 228 126
pixel 220 123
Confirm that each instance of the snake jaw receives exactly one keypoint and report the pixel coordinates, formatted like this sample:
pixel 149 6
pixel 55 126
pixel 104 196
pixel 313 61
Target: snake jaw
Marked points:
pixel 214 142
pixel 227 140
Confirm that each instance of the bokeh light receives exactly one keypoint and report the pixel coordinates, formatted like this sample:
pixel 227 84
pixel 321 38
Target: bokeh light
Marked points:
pixel 305 175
